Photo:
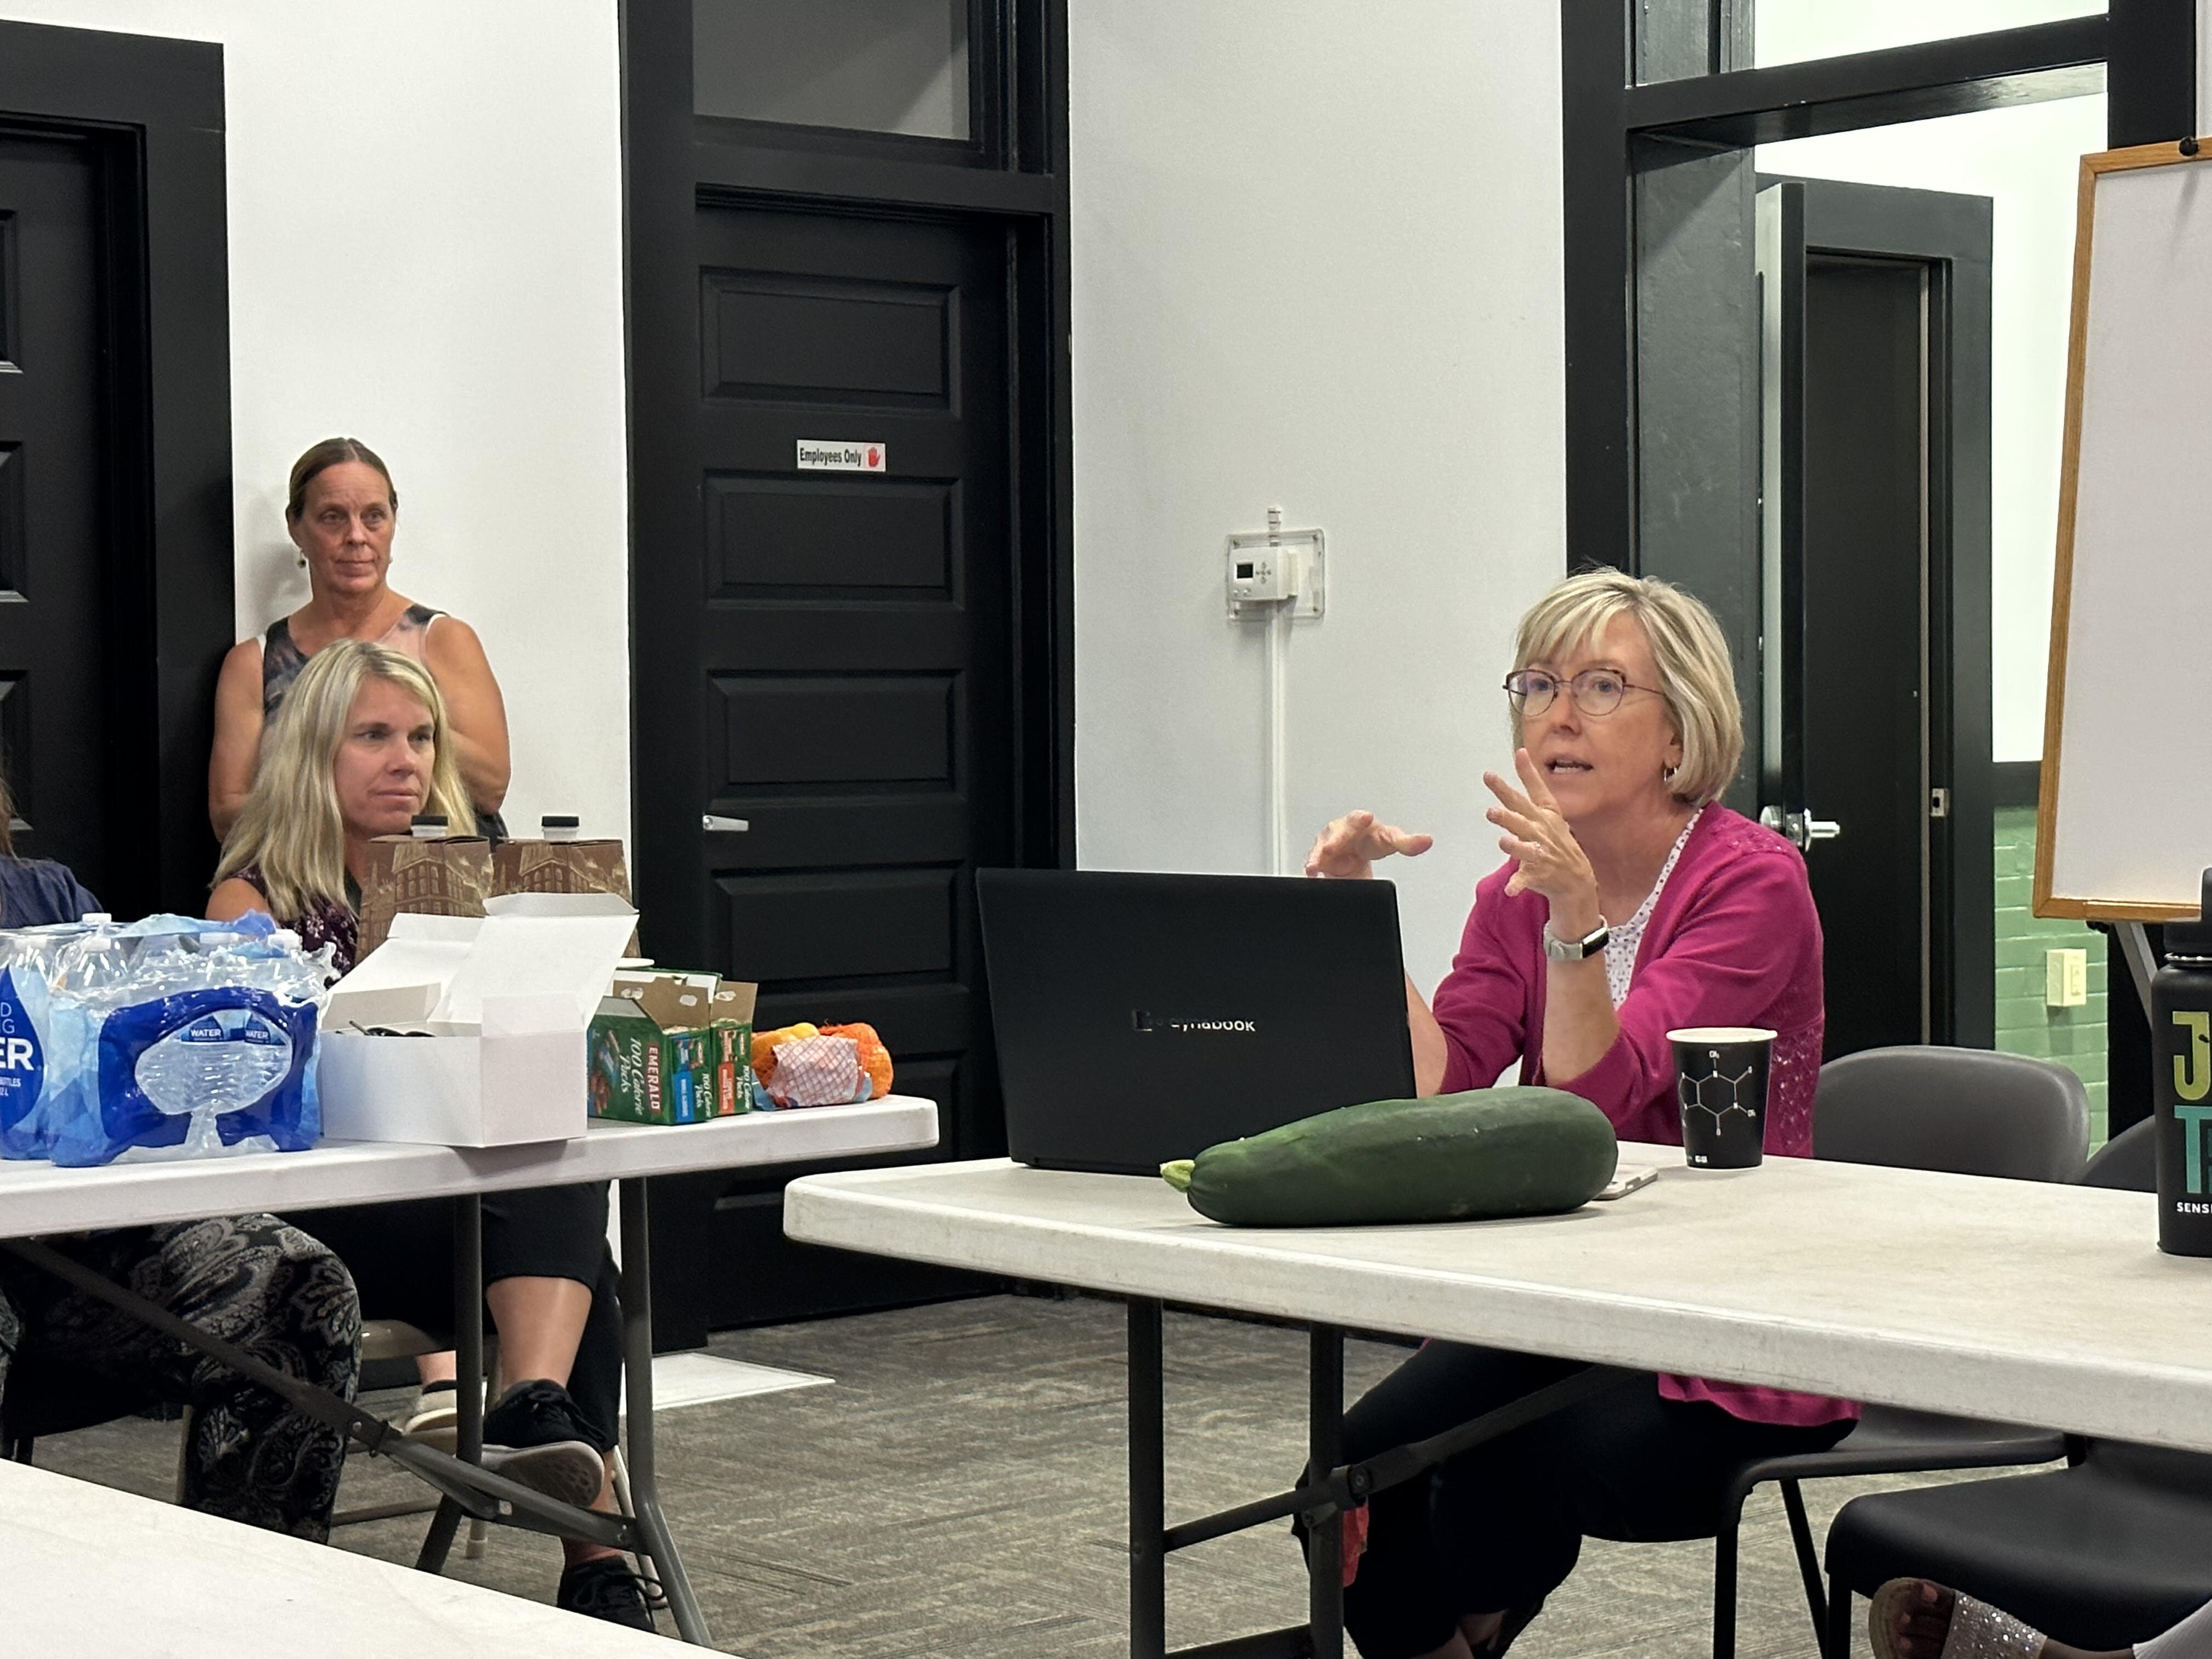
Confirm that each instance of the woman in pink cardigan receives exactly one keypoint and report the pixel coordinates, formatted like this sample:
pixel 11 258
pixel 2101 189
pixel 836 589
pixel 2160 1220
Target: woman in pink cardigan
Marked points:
pixel 1632 903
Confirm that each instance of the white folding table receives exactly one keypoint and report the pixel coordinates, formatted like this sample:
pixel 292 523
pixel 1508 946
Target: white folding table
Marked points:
pixel 37 1199
pixel 146 1577
pixel 2015 1300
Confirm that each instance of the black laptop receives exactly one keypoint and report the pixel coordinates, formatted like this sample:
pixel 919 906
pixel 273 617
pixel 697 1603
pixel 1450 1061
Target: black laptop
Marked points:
pixel 1144 1017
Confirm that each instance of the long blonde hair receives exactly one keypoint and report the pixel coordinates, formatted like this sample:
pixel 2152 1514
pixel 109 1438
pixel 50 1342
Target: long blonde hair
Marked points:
pixel 291 825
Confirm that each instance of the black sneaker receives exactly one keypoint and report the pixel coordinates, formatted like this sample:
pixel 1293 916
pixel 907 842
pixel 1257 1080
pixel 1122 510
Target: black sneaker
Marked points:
pixel 533 1435
pixel 605 1587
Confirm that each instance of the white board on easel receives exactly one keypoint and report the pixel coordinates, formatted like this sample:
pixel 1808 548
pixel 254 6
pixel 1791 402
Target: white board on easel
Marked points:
pixel 2124 824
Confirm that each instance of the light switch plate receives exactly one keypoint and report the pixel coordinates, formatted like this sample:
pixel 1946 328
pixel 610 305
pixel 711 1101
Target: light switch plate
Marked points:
pixel 2065 978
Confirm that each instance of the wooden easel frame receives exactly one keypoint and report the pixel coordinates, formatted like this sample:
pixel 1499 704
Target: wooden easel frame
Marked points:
pixel 2046 902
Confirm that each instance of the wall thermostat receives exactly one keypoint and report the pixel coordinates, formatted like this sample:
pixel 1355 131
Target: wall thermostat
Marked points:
pixel 1269 570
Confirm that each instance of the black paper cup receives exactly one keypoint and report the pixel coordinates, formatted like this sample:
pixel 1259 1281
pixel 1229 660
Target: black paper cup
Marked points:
pixel 1720 1078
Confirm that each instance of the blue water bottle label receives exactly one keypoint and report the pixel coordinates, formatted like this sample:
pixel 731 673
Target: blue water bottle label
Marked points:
pixel 22 1065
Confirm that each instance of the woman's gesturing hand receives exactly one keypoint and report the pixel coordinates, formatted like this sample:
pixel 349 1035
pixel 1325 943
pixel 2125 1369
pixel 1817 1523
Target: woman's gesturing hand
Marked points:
pixel 1349 845
pixel 1551 861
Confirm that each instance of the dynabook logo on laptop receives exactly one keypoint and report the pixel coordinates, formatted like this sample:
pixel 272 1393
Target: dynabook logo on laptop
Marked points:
pixel 1145 1022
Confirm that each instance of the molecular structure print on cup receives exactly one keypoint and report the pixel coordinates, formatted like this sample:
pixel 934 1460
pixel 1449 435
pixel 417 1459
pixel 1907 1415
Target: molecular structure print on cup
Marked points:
pixel 1720 1093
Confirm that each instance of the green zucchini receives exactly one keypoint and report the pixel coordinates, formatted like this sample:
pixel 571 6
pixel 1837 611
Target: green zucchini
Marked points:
pixel 1485 1154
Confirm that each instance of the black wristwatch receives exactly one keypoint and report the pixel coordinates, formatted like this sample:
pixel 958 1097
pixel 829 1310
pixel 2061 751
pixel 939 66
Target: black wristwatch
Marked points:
pixel 1575 950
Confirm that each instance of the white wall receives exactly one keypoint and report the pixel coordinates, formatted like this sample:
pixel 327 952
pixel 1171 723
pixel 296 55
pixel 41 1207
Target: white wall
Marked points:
pixel 426 252
pixel 2203 64
pixel 1795 30
pixel 1316 261
pixel 2025 159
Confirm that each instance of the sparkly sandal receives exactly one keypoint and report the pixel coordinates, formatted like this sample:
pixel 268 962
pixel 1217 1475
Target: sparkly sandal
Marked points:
pixel 1977 1630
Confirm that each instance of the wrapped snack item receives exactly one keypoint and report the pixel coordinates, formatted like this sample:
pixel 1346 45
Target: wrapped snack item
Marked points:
pixel 818 1071
pixel 875 1059
pixel 763 1047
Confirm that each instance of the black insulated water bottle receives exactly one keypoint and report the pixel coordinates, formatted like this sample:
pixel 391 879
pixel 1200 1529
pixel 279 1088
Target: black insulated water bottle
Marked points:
pixel 2181 1083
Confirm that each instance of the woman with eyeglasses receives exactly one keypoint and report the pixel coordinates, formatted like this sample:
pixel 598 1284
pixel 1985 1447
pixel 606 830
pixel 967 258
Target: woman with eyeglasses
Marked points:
pixel 1631 902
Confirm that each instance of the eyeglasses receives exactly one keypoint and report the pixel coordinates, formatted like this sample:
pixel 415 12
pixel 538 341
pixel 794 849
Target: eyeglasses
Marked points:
pixel 1596 691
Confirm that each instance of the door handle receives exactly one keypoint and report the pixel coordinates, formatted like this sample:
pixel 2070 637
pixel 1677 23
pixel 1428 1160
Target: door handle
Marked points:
pixel 715 825
pixel 1801 829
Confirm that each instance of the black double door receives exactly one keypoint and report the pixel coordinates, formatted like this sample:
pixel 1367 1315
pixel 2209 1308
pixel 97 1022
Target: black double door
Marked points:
pixel 56 680
pixel 831 663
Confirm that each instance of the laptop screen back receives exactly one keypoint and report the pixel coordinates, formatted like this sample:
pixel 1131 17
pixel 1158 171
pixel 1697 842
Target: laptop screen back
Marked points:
pixel 1143 1018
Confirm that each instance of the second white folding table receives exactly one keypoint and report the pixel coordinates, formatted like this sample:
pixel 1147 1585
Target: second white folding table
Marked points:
pixel 2016 1300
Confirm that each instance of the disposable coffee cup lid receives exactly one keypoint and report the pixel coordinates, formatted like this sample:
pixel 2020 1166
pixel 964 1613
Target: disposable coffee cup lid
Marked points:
pixel 428 825
pixel 559 821
pixel 1718 1034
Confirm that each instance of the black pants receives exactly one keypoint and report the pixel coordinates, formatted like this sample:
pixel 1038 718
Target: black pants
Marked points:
pixel 402 1258
pixel 1499 1527
pixel 250 1280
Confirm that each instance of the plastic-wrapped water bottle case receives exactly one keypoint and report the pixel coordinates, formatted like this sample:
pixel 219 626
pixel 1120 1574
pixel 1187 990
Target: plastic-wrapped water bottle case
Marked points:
pixel 170 1038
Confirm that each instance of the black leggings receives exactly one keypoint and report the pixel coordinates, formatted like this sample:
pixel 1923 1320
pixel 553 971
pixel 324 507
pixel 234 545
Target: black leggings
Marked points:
pixel 402 1259
pixel 1499 1527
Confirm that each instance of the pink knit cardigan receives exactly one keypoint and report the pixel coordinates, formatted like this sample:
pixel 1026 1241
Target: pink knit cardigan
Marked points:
pixel 1732 939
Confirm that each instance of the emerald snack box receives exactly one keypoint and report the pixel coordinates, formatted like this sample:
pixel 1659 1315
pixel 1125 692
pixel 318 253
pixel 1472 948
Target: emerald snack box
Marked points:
pixel 670 1047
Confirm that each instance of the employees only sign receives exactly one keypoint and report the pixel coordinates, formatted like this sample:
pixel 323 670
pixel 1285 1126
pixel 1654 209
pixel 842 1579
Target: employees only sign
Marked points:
pixel 836 455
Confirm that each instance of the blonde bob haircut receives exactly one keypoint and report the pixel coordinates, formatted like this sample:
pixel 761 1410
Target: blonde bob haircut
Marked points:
pixel 291 825
pixel 1695 676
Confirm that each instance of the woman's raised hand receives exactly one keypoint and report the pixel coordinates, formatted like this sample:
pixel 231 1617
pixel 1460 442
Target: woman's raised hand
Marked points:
pixel 1349 845
pixel 1551 860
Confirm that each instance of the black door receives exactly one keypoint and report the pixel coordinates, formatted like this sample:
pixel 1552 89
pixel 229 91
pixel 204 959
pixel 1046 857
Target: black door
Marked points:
pixel 1863 761
pixel 842 637
pixel 51 544
pixel 1867 749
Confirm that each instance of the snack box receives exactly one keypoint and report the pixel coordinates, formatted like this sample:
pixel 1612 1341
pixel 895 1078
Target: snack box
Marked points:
pixel 670 1046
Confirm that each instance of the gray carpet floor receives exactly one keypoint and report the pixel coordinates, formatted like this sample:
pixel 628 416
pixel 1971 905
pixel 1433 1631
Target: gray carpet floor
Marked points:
pixel 959 1490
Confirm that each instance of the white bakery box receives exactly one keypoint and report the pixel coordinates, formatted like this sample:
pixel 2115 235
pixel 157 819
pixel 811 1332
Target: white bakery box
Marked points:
pixel 487 1015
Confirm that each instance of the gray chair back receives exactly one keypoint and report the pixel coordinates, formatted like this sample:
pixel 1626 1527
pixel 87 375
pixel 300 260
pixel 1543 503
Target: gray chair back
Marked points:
pixel 1971 1111
pixel 2128 1161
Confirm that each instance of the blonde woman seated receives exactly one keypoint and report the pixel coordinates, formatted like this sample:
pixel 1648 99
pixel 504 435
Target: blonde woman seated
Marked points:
pixel 361 747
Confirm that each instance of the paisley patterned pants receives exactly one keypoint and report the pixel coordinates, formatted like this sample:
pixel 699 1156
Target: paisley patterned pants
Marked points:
pixel 254 1281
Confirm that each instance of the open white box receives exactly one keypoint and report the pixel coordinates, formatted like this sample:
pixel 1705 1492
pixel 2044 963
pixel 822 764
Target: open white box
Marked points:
pixel 505 998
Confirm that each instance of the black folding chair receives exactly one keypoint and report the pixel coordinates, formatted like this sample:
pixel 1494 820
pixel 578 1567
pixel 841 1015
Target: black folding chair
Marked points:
pixel 1970 1111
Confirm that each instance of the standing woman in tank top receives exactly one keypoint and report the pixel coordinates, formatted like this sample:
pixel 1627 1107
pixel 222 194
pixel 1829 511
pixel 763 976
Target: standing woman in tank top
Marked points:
pixel 341 510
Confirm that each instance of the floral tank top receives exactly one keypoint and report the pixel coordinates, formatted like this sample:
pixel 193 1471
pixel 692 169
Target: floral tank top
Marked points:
pixel 325 923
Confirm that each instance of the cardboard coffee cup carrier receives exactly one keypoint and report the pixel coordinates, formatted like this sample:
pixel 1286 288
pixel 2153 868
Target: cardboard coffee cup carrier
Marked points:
pixel 444 876
pixel 561 867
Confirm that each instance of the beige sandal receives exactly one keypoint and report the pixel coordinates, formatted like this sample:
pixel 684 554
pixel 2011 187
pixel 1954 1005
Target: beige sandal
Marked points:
pixel 1978 1630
